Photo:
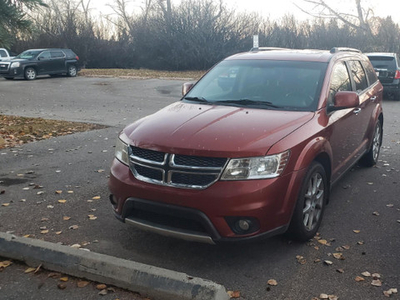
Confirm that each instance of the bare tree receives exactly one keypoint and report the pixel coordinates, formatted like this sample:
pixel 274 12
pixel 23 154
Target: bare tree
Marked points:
pixel 359 21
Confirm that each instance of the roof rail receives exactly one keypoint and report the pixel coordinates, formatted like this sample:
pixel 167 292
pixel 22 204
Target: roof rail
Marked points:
pixel 344 49
pixel 267 49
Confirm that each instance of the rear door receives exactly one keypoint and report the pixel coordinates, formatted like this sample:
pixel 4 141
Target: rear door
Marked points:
pixel 44 64
pixel 58 61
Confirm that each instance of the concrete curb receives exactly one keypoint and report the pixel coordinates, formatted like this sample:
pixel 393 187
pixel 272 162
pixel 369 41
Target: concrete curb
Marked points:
pixel 149 281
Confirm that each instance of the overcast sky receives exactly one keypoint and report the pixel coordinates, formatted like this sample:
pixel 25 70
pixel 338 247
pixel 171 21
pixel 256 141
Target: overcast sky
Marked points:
pixel 275 9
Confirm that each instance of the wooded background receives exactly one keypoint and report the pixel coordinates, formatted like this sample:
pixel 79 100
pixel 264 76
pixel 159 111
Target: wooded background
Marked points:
pixel 193 35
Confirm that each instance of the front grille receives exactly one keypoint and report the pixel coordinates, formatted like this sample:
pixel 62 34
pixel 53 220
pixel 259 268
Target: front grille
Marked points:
pixel 4 66
pixel 183 171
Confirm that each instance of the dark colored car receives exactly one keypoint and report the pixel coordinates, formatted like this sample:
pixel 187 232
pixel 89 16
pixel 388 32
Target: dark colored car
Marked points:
pixel 387 69
pixel 34 62
pixel 254 154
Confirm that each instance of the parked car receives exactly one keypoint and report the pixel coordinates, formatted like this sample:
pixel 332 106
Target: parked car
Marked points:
pixel 387 68
pixel 34 62
pixel 5 55
pixel 252 156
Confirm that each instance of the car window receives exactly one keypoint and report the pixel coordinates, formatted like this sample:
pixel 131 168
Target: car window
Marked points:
pixel 57 54
pixel 358 75
pixel 340 81
pixel 3 53
pixel 44 55
pixel 288 85
pixel 371 74
pixel 383 62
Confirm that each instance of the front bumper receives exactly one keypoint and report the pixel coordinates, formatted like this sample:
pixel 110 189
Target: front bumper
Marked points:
pixel 204 215
pixel 11 72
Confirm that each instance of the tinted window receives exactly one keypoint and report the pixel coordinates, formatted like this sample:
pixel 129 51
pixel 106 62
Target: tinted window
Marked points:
pixel 371 75
pixel 383 62
pixel 28 54
pixel 358 74
pixel 57 54
pixel 3 53
pixel 44 55
pixel 290 85
pixel 340 81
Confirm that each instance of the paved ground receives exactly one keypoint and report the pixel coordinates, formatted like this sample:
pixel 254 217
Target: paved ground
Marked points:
pixel 78 166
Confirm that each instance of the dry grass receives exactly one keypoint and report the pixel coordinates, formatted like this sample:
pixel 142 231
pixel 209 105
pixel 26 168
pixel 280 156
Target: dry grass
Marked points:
pixel 142 74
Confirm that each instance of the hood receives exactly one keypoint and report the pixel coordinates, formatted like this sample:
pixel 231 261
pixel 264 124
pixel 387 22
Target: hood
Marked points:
pixel 224 131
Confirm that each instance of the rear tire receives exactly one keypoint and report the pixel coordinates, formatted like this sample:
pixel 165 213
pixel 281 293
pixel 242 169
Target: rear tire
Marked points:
pixel 30 73
pixel 310 206
pixel 71 71
pixel 371 157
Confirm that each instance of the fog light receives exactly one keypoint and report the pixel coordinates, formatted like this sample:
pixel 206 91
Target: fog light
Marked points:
pixel 243 225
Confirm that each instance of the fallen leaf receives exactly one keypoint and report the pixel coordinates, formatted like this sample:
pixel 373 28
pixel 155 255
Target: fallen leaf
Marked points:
pixel 92 217
pixel 360 242
pixel 82 283
pixel 73 227
pixel 5 204
pixel 64 279
pixel 44 231
pixel 58 232
pixel 300 259
pixel 272 282
pixel 389 205
pixel 375 213
pixel 338 256
pixel 341 271
pixel 359 278
pixel 58 192
pixel 29 270
pixel 328 262
pixel 50 206
pixel 376 282
pixel 37 269
pixel 323 242
pixel 346 247
pixel 101 286
pixel 103 292
pixel 70 192
pixel 323 296
pixel 366 274
pixel 54 275
pixel 234 294
pixel 62 201
pixel 65 218
pixel 76 246
pixel 96 198
pixel 62 286
pixel 356 231
pixel 40 193
pixel 4 264
pixel 376 275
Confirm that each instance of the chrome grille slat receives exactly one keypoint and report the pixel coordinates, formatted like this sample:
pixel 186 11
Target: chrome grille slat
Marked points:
pixel 183 171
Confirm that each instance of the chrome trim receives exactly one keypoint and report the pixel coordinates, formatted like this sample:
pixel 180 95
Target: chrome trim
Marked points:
pixel 184 235
pixel 146 161
pixel 146 179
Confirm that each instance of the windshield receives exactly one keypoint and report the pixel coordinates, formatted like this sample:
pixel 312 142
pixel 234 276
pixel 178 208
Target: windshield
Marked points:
pixel 28 54
pixel 269 84
pixel 383 62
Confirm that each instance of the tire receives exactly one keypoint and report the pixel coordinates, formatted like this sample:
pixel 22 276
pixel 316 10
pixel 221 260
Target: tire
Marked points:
pixel 370 158
pixel 310 206
pixel 30 73
pixel 71 71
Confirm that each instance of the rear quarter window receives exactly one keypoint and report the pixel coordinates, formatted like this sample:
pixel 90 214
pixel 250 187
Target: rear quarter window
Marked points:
pixel 358 74
pixel 371 74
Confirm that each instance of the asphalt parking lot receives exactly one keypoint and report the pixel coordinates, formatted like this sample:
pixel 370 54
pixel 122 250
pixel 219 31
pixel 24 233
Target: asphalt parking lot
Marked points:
pixel 361 222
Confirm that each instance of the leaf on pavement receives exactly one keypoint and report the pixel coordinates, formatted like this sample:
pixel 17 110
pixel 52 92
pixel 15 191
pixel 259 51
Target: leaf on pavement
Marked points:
pixel 96 198
pixel 376 282
pixel 301 260
pixel 44 231
pixel 4 264
pixel 328 262
pixel 272 282
pixel 64 279
pixel 82 283
pixel 359 278
pixel 62 201
pixel 58 232
pixel 65 218
pixel 29 270
pixel 356 231
pixel 73 227
pixel 338 256
pixel 5 204
pixel 70 192
pixel 58 192
pixel 62 286
pixel 234 294
pixel 92 217
pixel 366 274
pixel 103 292
pixel 101 286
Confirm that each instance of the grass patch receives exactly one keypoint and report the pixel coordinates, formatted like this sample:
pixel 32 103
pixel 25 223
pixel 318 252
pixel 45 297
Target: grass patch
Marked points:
pixel 142 73
pixel 16 130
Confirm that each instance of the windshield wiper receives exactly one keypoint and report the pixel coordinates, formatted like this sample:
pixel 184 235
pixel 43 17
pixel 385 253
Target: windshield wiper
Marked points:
pixel 249 102
pixel 197 99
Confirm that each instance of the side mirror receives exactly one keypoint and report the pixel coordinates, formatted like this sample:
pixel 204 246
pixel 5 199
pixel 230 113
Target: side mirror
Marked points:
pixel 344 100
pixel 186 87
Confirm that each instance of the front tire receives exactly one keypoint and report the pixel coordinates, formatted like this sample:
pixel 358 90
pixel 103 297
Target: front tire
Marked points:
pixel 30 73
pixel 310 206
pixel 71 71
pixel 371 157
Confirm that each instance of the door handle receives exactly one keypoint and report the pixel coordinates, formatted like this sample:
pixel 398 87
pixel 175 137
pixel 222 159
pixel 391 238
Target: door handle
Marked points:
pixel 357 110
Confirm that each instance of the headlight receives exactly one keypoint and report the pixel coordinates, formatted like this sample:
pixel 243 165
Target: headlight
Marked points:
pixel 270 166
pixel 15 64
pixel 121 151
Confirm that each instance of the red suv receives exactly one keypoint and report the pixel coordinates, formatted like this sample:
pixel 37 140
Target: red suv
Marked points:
pixel 252 149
